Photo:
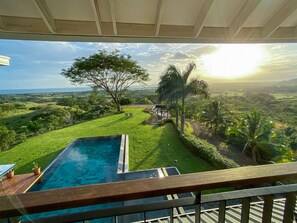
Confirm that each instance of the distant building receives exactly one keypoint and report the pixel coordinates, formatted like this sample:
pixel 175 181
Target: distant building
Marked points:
pixel 4 61
pixel 161 111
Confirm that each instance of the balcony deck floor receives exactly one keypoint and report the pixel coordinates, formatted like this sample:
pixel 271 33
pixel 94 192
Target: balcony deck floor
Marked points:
pixel 18 184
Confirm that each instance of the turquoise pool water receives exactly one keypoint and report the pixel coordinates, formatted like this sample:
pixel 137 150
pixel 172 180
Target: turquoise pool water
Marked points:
pixel 86 161
pixel 92 161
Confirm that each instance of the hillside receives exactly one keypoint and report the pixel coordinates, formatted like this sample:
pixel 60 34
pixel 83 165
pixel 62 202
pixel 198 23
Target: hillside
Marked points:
pixel 291 82
pixel 149 146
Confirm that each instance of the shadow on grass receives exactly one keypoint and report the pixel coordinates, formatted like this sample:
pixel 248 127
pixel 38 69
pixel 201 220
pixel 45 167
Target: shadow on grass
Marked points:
pixel 140 163
pixel 43 161
pixel 114 122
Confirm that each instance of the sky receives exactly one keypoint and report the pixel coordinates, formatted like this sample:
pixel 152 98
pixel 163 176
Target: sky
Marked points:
pixel 38 64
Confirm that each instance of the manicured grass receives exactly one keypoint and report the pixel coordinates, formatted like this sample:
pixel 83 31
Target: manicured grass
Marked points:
pixel 149 146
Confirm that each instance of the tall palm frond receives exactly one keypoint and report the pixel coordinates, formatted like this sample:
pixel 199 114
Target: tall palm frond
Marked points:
pixel 174 86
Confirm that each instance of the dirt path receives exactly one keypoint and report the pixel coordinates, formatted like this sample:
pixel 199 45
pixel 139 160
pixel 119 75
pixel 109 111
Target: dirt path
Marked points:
pixel 226 150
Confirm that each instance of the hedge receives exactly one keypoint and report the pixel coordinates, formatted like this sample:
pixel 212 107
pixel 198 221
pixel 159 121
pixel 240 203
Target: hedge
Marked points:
pixel 203 149
pixel 208 152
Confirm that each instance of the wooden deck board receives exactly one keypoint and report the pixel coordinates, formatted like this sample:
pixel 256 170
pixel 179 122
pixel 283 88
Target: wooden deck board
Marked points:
pixel 18 184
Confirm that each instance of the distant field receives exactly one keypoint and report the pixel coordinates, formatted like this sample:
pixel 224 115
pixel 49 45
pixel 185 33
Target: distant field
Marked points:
pixel 150 146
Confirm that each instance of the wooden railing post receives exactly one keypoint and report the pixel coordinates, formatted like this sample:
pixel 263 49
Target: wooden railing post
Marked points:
pixel 289 207
pixel 171 215
pixel 222 211
pixel 267 209
pixel 144 216
pixel 245 211
pixel 197 207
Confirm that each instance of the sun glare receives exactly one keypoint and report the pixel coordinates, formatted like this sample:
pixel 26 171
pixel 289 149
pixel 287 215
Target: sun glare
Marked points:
pixel 233 61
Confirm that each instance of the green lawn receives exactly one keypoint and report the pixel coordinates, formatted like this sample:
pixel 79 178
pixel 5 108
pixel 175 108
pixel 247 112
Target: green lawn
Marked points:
pixel 149 146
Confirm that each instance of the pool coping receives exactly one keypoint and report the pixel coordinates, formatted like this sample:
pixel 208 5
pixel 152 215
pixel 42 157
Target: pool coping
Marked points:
pixel 123 163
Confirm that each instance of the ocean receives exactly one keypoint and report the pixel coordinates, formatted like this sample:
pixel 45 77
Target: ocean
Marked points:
pixel 44 90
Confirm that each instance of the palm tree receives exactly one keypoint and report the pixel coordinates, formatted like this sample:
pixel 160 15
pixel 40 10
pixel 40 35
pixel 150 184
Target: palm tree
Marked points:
pixel 214 115
pixel 175 86
pixel 255 130
pixel 167 92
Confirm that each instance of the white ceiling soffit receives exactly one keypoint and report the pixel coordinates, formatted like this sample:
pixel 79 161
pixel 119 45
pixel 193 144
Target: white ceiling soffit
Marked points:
pixel 201 21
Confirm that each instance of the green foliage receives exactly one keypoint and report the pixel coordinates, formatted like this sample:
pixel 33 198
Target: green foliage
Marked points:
pixel 35 165
pixel 109 71
pixel 214 115
pixel 194 107
pixel 68 101
pixel 143 101
pixel 254 130
pixel 207 152
pixel 126 101
pixel 97 111
pixel 7 137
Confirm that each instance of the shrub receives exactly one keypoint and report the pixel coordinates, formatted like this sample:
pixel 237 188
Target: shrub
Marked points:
pixel 208 152
pixel 126 101
pixel 165 121
pixel 7 137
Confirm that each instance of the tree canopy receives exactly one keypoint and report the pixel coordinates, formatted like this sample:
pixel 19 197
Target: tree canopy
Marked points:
pixel 110 71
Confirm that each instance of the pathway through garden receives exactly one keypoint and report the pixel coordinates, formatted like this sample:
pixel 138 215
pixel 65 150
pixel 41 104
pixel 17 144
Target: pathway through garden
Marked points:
pixel 226 150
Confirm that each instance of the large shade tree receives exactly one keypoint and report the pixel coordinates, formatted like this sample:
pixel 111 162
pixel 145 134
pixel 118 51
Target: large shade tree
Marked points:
pixel 110 71
pixel 175 85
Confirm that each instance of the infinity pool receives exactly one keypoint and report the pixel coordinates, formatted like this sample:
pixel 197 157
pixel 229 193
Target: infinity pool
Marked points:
pixel 85 161
pixel 92 161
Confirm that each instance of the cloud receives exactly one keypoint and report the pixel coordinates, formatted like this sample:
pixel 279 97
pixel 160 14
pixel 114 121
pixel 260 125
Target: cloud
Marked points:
pixel 181 56
pixel 202 50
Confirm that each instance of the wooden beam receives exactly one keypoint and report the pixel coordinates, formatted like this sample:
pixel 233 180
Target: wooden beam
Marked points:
pixel 48 200
pixel 22 28
pixel 96 12
pixel 25 25
pixel 1 24
pixel 45 14
pixel 113 17
pixel 277 19
pixel 242 16
pixel 159 15
pixel 201 17
pixel 295 31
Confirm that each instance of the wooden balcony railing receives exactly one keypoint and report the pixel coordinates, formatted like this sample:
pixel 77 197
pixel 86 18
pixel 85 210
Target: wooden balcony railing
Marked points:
pixel 43 201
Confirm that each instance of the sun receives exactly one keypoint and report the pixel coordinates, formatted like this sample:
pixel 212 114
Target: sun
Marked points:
pixel 233 61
